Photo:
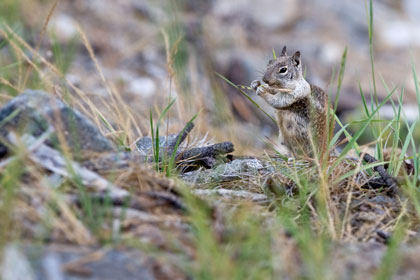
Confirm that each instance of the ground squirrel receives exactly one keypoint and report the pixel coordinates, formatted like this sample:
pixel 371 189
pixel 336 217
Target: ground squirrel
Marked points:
pixel 301 107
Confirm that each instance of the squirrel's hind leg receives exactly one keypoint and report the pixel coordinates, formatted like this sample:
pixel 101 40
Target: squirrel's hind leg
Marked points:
pixel 282 148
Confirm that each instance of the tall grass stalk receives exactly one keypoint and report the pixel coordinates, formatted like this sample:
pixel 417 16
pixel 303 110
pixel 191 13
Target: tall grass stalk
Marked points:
pixel 9 182
pixel 372 60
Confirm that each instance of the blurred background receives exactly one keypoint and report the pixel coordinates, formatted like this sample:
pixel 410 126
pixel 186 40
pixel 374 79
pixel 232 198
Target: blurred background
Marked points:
pixel 153 50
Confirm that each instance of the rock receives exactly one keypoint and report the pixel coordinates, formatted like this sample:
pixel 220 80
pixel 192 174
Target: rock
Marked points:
pixel 72 262
pixel 410 112
pixel 15 265
pixel 143 87
pixel 232 194
pixel 148 10
pixel 412 8
pixel 199 156
pixel 234 170
pixel 400 34
pixel 145 145
pixel 35 111
pixel 63 27
pixel 266 13
pixel 210 151
pixel 114 161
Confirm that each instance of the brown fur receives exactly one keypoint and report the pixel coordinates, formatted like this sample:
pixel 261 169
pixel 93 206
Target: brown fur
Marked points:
pixel 301 112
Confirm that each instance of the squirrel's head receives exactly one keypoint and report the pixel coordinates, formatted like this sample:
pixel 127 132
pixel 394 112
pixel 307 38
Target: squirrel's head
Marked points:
pixel 284 71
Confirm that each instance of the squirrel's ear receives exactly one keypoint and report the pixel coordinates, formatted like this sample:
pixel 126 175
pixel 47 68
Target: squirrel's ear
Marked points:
pixel 283 52
pixel 296 58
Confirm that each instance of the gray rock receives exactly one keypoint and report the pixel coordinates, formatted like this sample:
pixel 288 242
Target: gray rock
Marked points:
pixel 61 262
pixel 145 145
pixel 234 170
pixel 63 27
pixel 412 8
pixel 15 265
pixel 268 14
pixel 410 112
pixel 34 111
pixel 143 87
pixel 400 33
pixel 232 194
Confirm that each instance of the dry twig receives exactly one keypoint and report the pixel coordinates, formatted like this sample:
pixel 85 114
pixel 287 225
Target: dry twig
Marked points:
pixel 390 181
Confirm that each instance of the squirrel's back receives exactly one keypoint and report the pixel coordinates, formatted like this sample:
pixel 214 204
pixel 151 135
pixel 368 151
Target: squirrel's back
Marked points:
pixel 301 110
pixel 321 120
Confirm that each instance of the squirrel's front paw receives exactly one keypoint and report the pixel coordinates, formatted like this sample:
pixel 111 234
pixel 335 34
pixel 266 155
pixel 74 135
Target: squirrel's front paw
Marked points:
pixel 261 90
pixel 255 84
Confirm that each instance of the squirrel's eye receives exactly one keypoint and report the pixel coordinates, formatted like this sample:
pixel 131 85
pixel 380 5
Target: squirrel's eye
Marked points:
pixel 283 70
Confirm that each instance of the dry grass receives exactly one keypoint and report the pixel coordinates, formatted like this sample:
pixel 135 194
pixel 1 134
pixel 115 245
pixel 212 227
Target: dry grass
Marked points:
pixel 325 199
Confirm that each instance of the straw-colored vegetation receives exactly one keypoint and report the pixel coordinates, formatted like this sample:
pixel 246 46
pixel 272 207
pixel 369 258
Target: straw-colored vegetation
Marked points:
pixel 312 207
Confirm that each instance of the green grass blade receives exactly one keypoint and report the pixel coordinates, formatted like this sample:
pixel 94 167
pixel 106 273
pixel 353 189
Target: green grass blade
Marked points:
pixel 171 162
pixel 416 83
pixel 337 136
pixel 405 148
pixel 152 132
pixel 105 122
pixel 353 139
pixel 247 96
pixel 396 132
pixel 365 106
pixel 357 170
pixel 165 111
pixel 155 134
pixel 370 30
